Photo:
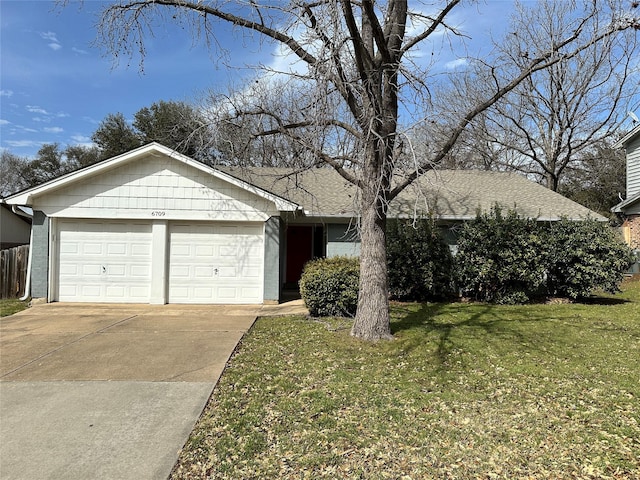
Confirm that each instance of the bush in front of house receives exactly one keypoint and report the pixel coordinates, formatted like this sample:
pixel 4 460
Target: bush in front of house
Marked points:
pixel 420 263
pixel 500 258
pixel 329 286
pixel 583 257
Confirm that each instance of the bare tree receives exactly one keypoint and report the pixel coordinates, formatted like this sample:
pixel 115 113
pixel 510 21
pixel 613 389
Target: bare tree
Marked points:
pixel 243 124
pixel 559 114
pixel 11 173
pixel 360 62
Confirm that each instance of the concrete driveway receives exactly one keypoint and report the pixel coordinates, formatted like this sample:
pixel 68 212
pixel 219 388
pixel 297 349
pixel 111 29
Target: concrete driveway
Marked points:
pixel 108 391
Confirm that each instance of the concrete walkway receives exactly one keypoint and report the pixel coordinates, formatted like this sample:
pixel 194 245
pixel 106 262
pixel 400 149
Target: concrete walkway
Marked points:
pixel 110 391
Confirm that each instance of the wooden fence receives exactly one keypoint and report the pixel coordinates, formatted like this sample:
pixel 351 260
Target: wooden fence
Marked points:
pixel 13 271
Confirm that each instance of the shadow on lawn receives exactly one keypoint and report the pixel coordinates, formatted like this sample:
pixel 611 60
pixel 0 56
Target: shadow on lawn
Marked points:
pixel 604 301
pixel 455 324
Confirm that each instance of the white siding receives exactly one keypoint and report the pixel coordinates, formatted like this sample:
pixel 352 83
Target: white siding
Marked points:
pixel 633 168
pixel 156 187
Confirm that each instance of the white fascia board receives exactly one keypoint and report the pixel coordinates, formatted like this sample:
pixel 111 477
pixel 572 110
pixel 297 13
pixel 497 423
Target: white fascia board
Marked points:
pixel 628 137
pixel 626 203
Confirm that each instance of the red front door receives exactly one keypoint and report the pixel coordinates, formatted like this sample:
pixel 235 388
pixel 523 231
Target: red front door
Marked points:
pixel 299 251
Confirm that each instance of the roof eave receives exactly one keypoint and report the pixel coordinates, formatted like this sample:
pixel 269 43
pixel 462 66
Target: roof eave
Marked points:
pixel 628 137
pixel 619 208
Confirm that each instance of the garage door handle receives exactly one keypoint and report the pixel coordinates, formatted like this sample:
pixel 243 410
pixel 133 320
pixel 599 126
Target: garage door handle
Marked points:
pixel 215 271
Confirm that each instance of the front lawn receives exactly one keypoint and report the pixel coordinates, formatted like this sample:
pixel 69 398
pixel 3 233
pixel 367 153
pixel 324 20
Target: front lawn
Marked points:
pixel 466 391
pixel 9 306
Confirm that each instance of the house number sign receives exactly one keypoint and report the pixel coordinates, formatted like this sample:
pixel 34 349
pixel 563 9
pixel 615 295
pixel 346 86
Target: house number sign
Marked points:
pixel 158 213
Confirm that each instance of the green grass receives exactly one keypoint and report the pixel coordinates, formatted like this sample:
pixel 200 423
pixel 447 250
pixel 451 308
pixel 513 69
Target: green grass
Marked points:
pixel 465 391
pixel 10 306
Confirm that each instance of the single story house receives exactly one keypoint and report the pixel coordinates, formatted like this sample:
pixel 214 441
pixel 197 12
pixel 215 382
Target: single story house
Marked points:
pixel 15 227
pixel 154 226
pixel 629 209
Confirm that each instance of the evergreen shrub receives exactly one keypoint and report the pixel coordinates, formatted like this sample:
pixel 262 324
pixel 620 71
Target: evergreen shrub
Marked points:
pixel 583 257
pixel 420 264
pixel 329 286
pixel 500 258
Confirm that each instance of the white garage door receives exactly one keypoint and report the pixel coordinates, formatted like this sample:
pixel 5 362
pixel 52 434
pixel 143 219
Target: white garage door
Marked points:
pixel 104 261
pixel 216 263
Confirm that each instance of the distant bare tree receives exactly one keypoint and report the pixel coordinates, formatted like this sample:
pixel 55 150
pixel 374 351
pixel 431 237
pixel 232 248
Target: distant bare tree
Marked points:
pixel 11 177
pixel 358 63
pixel 597 178
pixel 51 161
pixel 243 122
pixel 559 114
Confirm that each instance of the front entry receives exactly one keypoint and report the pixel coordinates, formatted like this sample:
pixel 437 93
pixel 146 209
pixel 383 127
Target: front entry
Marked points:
pixel 303 244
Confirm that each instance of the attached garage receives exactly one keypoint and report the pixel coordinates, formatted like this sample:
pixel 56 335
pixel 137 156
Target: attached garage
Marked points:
pixel 215 263
pixel 154 226
pixel 101 261
pixel 209 262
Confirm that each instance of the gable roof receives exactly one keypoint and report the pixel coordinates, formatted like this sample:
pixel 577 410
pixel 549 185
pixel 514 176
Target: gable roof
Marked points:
pixel 322 192
pixel 25 197
pixel 629 137
pixel 446 194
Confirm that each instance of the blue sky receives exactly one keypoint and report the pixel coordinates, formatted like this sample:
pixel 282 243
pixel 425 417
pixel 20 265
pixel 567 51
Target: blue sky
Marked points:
pixel 55 86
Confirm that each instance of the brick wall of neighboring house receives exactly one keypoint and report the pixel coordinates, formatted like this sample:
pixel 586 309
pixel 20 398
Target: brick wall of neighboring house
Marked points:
pixel 631 230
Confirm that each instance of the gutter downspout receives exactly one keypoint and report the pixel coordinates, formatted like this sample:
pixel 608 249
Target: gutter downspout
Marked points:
pixel 27 286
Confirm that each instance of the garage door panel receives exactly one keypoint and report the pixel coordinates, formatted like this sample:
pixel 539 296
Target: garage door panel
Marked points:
pixel 215 263
pixel 104 261
pixel 116 249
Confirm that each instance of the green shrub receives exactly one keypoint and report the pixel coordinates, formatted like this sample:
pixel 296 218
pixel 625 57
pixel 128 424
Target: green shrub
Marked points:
pixel 329 286
pixel 583 257
pixel 500 258
pixel 420 263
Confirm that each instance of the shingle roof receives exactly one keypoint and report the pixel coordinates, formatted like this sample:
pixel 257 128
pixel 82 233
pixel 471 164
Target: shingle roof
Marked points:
pixel 447 194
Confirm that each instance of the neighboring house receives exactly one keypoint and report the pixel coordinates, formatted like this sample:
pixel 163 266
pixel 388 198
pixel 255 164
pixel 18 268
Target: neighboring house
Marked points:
pixel 154 226
pixel 629 209
pixel 15 228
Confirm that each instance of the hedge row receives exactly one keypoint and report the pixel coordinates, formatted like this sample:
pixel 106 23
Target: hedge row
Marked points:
pixel 506 259
pixel 501 258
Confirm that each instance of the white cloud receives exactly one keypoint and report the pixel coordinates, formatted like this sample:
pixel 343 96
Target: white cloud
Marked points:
pixel 454 64
pixel 54 130
pixel 52 38
pixel 6 93
pixel 23 143
pixel 4 122
pixel 80 51
pixel 36 109
pixel 80 138
pixel 20 129
pixel 82 141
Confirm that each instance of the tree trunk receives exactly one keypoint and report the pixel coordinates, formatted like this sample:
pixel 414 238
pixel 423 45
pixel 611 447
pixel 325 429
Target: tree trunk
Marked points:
pixel 372 318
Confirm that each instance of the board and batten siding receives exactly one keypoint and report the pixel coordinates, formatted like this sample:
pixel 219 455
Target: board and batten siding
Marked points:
pixel 156 187
pixel 633 167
